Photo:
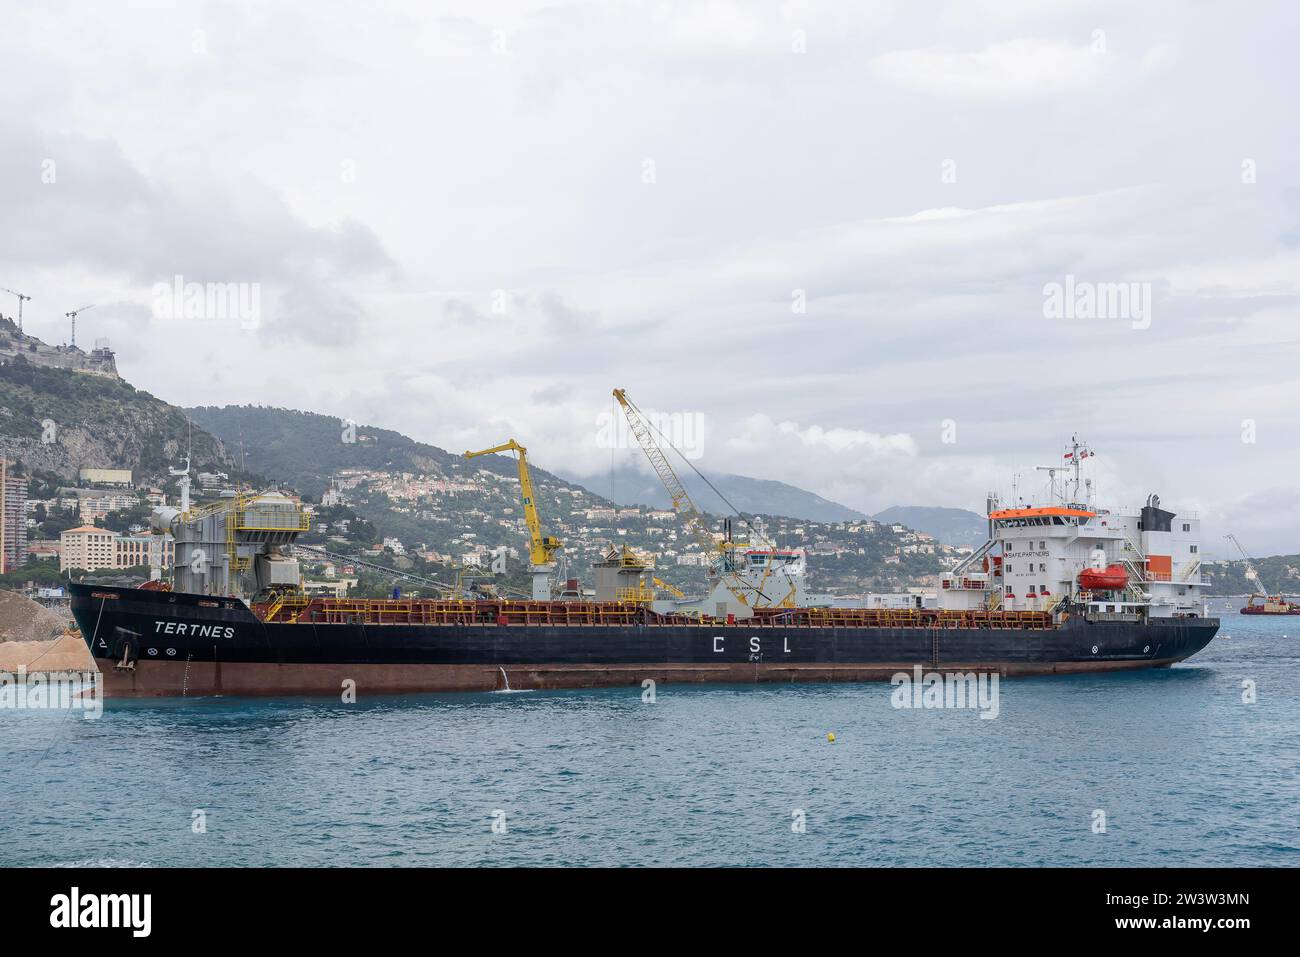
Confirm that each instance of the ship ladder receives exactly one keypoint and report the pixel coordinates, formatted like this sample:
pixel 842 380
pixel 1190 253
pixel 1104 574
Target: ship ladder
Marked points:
pixel 274 608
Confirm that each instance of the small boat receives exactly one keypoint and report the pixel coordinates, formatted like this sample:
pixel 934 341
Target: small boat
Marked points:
pixel 1271 605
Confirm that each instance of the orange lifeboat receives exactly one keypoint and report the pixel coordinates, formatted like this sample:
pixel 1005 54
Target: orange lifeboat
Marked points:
pixel 1110 578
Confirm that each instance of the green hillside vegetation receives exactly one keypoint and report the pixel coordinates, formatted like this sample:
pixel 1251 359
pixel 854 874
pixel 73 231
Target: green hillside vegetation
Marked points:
pixel 303 449
pixel 98 422
pixel 1277 572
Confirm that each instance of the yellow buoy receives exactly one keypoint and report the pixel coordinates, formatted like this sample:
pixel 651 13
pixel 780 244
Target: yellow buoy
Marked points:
pixel 830 736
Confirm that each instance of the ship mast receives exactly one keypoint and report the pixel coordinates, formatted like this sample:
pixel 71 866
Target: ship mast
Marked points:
pixel 1074 453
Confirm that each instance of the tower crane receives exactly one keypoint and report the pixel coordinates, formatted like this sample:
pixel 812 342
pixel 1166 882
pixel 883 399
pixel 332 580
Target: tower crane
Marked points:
pixel 720 553
pixel 542 548
pixel 73 316
pixel 21 299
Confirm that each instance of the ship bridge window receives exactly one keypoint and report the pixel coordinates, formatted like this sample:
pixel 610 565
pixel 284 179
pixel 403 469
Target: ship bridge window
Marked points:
pixel 1195 548
pixel 1186 527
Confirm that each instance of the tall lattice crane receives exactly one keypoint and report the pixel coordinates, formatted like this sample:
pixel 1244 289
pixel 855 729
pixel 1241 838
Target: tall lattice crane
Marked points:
pixel 1259 590
pixel 542 548
pixel 720 553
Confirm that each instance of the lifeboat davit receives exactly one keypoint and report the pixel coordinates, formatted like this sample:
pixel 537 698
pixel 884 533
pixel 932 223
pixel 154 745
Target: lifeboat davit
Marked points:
pixel 1110 578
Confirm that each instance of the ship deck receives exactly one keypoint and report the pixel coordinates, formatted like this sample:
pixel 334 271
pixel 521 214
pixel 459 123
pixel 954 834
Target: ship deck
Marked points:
pixel 432 611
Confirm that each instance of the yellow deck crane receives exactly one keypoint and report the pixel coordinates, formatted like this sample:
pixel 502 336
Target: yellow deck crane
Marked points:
pixel 743 596
pixel 670 588
pixel 542 548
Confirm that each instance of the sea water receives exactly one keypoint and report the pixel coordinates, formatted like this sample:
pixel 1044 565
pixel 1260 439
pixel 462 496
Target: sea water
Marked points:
pixel 1195 765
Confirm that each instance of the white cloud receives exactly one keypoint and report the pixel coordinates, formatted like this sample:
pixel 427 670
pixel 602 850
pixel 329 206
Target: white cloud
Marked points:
pixel 1011 70
pixel 520 170
pixel 761 432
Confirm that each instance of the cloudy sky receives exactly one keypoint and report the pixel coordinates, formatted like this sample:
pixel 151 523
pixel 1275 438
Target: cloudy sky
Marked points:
pixel 824 229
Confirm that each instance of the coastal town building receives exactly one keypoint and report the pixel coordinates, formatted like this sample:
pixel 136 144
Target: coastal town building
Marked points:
pixel 120 477
pixel 86 547
pixel 93 503
pixel 13 518
pixel 91 548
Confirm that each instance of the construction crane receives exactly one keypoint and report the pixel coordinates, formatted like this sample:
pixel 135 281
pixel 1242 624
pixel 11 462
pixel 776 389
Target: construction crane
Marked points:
pixel 542 548
pixel 21 300
pixel 1258 591
pixel 73 316
pixel 720 553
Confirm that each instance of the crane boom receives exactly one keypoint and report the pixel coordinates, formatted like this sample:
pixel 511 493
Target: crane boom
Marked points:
pixel 685 507
pixel 691 516
pixel 670 588
pixel 1251 572
pixel 542 548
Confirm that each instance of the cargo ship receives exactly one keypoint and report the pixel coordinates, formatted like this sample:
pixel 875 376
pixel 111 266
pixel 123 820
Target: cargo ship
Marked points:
pixel 1059 587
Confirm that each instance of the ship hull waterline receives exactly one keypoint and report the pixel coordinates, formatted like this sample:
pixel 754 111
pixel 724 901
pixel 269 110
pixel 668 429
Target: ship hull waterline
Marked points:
pixel 179 647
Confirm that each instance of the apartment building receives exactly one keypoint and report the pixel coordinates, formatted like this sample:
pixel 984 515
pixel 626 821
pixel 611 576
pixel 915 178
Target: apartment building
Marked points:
pixel 91 548
pixel 13 518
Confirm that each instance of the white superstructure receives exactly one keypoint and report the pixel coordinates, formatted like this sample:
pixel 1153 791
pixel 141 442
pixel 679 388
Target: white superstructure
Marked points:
pixel 1071 553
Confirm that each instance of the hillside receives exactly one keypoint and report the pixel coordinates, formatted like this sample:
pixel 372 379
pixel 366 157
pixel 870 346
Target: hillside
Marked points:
pixel 58 421
pixel 303 449
pixel 952 526
pixel 1277 572
pixel 628 485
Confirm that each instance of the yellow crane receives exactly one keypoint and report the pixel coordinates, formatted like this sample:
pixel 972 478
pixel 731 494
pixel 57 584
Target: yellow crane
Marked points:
pixel 542 548
pixel 691 516
pixel 670 588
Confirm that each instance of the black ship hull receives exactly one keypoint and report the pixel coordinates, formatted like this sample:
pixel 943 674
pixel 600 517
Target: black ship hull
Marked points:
pixel 165 643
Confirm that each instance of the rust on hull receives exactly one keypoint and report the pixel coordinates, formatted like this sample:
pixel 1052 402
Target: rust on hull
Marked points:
pixel 193 679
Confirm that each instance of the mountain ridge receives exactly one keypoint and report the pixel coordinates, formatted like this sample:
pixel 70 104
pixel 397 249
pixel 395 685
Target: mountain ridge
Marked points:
pixel 629 485
pixel 952 526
